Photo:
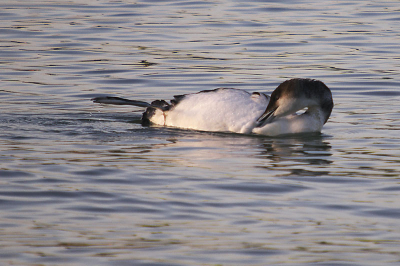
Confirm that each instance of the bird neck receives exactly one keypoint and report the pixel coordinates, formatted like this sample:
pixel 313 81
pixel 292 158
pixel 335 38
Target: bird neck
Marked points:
pixel 320 112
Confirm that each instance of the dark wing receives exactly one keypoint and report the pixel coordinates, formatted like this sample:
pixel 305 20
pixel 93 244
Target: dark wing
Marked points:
pixel 159 104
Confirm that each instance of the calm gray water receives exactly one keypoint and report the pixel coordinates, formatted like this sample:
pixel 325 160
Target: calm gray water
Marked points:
pixel 85 184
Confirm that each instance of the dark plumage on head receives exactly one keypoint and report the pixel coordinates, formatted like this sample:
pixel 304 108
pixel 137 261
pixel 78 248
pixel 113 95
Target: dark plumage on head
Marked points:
pixel 308 89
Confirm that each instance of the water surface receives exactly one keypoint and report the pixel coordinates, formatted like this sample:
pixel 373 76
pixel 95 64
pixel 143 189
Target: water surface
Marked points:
pixel 87 184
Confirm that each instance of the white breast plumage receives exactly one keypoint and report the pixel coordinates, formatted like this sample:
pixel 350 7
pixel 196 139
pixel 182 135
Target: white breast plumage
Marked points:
pixel 218 110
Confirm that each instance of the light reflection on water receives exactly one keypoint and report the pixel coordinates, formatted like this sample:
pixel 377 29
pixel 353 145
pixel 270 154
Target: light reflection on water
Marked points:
pixel 87 184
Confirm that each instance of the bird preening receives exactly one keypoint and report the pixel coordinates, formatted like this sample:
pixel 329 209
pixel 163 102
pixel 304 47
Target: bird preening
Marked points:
pixel 234 110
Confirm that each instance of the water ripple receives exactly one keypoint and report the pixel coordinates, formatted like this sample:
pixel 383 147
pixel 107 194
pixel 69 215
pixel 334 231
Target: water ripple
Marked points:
pixel 88 184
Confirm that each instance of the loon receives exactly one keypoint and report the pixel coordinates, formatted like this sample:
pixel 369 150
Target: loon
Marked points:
pixel 235 110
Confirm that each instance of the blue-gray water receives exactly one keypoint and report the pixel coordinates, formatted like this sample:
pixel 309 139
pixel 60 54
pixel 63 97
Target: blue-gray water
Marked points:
pixel 85 184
